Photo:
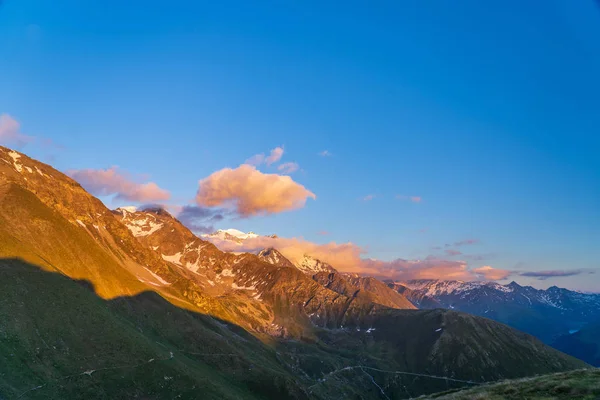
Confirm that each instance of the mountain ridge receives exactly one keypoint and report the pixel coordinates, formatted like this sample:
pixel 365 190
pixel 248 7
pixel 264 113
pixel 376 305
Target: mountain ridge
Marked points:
pixel 304 330
pixel 546 314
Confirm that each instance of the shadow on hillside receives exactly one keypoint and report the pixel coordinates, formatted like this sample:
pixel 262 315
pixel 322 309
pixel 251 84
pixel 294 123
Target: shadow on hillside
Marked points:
pixel 54 332
pixel 59 339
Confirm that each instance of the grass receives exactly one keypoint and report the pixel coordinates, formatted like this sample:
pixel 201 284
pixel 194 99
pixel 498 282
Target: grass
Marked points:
pixel 577 385
pixel 53 330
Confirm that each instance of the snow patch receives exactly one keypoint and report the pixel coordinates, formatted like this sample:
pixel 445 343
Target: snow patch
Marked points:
pixel 158 278
pixel 175 258
pixel 15 156
pixel 227 272
pixel 234 286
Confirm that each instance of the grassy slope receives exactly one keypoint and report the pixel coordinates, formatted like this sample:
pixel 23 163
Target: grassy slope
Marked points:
pixel 52 330
pixel 576 385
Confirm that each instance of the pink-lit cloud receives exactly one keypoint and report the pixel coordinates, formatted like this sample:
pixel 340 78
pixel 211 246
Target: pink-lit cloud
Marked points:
pixel 273 157
pixel 10 132
pixel 452 252
pixel 288 168
pixel 323 233
pixel 348 257
pixel 111 181
pixel 250 192
pixel 492 274
pixel 256 159
pixel 368 197
pixel 413 199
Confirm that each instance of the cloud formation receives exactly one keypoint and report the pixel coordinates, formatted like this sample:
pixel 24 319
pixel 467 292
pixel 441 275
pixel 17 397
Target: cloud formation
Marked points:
pixel 10 132
pixel 368 197
pixel 543 275
pixel 466 242
pixel 108 182
pixel 325 153
pixel 492 274
pixel 347 257
pixel 452 252
pixel 200 219
pixel 288 168
pixel 414 199
pixel 274 156
pixel 250 192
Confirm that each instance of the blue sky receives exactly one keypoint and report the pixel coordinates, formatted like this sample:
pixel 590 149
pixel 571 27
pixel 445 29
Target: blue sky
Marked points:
pixel 487 112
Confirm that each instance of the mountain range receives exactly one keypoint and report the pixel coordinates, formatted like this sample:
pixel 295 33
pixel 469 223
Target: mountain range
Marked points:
pixel 552 315
pixel 546 314
pixel 131 304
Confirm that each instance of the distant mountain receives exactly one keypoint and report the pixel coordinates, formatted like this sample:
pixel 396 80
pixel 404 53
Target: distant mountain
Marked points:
pixel 233 235
pixel 307 264
pixel 583 343
pixel 546 314
pixel 310 265
pixel 368 288
pixel 272 256
pixel 129 303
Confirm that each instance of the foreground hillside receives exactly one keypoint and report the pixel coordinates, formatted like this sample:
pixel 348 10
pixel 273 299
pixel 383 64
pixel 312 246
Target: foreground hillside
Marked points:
pixel 59 340
pixel 576 385
pixel 106 305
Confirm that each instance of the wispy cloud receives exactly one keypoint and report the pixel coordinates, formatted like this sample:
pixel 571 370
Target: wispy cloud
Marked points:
pixel 466 242
pixel 369 197
pixel 492 274
pixel 323 233
pixel 325 153
pixel 256 159
pixel 111 181
pixel 12 136
pixel 452 252
pixel 250 192
pixel 414 199
pixel 200 219
pixel 543 275
pixel 288 168
pixel 347 257
pixel 273 157
pixel 477 257
pixel 10 132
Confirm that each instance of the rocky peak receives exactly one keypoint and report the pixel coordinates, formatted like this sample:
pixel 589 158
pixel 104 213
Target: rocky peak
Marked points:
pixel 273 256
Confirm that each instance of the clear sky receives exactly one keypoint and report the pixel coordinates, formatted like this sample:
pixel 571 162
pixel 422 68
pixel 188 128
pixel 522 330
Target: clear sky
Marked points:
pixel 444 122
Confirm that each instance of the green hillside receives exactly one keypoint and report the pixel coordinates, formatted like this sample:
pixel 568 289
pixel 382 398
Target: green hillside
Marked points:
pixel 575 385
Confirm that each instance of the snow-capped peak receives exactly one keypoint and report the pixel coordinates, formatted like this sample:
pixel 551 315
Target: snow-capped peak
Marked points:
pixel 126 209
pixel 231 234
pixel 310 265
pixel 139 223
